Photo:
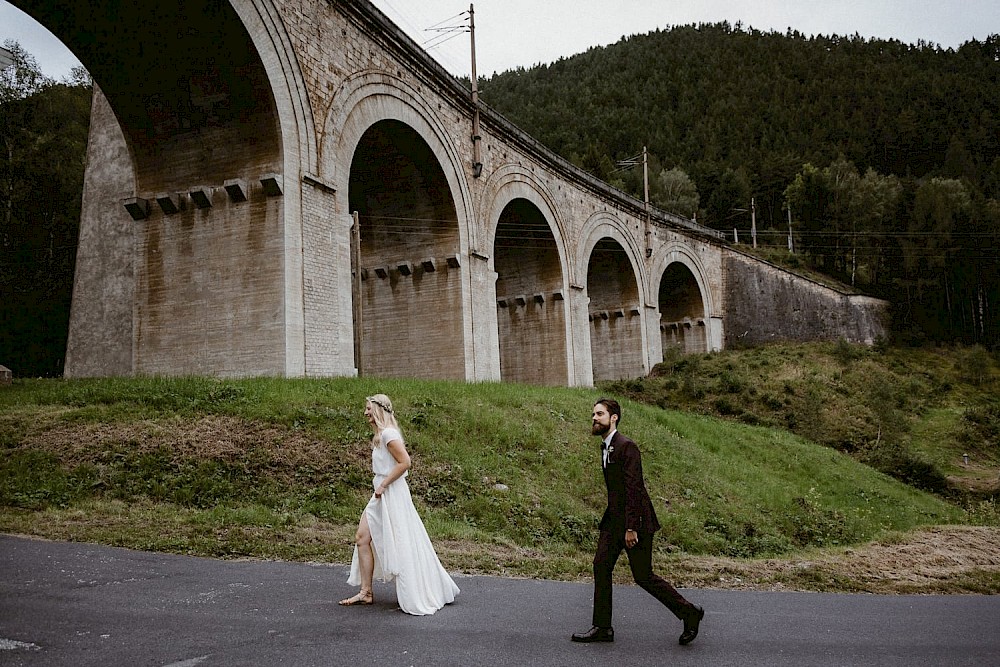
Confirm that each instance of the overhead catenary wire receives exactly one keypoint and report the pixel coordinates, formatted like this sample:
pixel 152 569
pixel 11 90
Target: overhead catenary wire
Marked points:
pixel 410 21
pixel 538 235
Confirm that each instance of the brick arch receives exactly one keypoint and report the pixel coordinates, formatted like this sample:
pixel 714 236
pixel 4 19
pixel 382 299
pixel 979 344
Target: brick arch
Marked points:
pixel 369 97
pixel 529 259
pixel 412 319
pixel 616 312
pixel 682 253
pixel 601 225
pixel 692 325
pixel 236 69
pixel 165 101
pixel 511 182
pixel 267 30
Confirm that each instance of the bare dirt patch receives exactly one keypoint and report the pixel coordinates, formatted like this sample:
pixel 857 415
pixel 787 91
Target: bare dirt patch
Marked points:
pixel 212 437
pixel 933 560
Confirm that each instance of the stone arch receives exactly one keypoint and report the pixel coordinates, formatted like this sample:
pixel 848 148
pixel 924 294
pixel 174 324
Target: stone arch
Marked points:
pixel 684 301
pixel 615 288
pixel 389 158
pixel 514 181
pixel 368 97
pixel 227 81
pixel 176 97
pixel 529 259
pixel 267 30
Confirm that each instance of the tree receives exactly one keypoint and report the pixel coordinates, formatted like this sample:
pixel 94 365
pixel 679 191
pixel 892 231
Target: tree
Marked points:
pixel 810 196
pixel 675 192
pixel 878 204
pixel 43 132
pixel 942 207
pixel 23 78
pixel 731 192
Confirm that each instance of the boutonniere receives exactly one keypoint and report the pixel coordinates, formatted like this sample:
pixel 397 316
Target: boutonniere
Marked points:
pixel 611 450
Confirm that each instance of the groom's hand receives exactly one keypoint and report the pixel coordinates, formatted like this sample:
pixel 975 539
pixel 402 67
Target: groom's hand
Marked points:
pixel 631 538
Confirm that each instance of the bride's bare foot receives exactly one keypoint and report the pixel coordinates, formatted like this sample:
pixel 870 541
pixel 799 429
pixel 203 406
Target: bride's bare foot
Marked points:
pixel 363 597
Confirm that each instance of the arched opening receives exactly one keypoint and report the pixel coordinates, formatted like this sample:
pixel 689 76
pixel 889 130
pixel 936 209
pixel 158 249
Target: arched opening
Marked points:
pixel 531 317
pixel 615 315
pixel 410 306
pixel 682 311
pixel 185 82
pixel 184 122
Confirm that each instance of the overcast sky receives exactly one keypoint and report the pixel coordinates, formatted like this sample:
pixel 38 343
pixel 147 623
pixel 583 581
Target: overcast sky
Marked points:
pixel 513 33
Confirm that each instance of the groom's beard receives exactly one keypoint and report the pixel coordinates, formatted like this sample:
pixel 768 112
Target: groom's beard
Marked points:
pixel 600 429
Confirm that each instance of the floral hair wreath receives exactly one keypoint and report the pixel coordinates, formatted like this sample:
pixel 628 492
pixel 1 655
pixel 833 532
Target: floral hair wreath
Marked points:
pixel 387 408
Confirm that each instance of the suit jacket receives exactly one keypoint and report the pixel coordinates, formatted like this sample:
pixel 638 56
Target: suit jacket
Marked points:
pixel 629 506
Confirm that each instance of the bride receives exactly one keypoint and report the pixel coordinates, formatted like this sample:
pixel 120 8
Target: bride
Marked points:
pixel 391 542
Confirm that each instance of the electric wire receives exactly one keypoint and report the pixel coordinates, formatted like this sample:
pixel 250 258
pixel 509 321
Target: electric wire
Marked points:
pixel 410 23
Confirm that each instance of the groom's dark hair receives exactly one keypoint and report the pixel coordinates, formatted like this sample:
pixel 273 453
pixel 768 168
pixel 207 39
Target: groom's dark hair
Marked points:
pixel 612 406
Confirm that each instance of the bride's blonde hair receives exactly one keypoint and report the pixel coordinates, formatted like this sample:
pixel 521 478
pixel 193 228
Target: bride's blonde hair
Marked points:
pixel 381 409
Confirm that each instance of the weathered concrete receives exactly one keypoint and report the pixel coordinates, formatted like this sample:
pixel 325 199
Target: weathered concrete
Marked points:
pixel 254 135
pixel 767 304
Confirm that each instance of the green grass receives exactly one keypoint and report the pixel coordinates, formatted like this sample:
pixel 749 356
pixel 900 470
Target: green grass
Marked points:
pixel 276 468
pixel 908 413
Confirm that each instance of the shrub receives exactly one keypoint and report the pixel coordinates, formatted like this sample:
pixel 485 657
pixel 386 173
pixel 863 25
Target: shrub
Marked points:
pixel 975 365
pixel 897 461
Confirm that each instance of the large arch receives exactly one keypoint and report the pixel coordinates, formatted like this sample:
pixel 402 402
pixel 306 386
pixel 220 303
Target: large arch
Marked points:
pixel 682 311
pixel 531 308
pixel 390 155
pixel 534 338
pixel 684 301
pixel 229 79
pixel 615 289
pixel 410 316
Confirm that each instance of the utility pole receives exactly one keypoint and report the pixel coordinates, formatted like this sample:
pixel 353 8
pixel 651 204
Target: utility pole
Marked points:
pixel 356 262
pixel 625 165
pixel 645 199
pixel 791 246
pixel 732 214
pixel 477 158
pixel 753 221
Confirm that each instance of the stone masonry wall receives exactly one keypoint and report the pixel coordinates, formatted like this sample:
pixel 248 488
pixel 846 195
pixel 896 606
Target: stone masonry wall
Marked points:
pixel 100 333
pixel 767 304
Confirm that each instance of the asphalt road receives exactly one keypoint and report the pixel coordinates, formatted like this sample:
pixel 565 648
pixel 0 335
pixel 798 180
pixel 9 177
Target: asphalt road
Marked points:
pixel 65 604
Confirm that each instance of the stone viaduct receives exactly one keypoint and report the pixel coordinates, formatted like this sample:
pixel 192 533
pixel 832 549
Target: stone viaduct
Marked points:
pixel 232 144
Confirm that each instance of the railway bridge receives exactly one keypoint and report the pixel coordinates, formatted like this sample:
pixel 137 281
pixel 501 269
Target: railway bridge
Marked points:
pixel 294 188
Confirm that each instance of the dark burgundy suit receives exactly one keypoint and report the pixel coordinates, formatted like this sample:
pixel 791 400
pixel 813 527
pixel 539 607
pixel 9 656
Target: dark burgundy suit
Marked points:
pixel 629 508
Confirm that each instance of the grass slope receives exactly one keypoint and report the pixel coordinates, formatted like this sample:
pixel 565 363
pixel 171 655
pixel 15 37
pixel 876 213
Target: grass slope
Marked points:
pixel 505 476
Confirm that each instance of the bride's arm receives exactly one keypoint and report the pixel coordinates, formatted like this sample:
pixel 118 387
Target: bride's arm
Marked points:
pixel 398 451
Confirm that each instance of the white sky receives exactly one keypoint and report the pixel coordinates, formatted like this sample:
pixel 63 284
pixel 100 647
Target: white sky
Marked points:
pixel 513 33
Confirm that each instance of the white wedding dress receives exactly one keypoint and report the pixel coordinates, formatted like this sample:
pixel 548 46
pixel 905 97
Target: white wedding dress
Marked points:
pixel 402 548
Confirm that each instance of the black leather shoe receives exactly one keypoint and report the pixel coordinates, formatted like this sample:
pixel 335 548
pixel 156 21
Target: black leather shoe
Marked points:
pixel 691 623
pixel 596 634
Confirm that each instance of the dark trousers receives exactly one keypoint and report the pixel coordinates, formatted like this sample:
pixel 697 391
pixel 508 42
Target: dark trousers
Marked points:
pixel 640 560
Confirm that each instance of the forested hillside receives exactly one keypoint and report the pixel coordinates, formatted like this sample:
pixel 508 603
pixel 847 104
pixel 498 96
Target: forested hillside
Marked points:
pixel 888 154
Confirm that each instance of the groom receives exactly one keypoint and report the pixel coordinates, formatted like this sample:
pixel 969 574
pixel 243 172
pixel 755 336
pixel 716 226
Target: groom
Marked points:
pixel 628 523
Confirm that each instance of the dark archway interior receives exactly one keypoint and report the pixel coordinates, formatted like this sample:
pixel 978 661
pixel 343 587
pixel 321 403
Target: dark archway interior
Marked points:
pixel 181 77
pixel 615 314
pixel 531 317
pixel 411 297
pixel 682 311
pixel 679 294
